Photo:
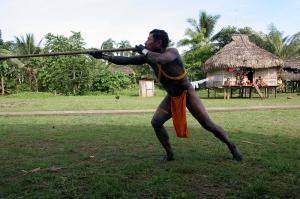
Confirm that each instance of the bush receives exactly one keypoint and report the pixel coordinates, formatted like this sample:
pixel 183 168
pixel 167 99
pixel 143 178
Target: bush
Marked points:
pixel 109 82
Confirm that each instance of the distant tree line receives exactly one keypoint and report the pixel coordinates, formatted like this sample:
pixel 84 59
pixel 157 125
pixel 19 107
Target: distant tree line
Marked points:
pixel 77 75
pixel 202 44
pixel 68 75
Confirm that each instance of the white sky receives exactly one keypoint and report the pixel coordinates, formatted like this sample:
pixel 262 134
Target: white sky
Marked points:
pixel 99 20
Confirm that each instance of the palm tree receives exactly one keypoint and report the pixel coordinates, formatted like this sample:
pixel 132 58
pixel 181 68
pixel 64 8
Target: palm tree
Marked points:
pixel 198 38
pixel 201 31
pixel 5 68
pixel 108 44
pixel 27 45
pixel 284 47
pixel 124 44
pixel 207 23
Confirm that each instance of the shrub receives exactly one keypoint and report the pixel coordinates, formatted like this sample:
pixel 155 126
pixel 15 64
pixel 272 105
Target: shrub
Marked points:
pixel 109 82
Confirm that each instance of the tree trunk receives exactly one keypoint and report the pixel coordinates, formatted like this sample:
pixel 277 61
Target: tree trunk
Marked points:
pixel 36 85
pixel 74 84
pixel 2 85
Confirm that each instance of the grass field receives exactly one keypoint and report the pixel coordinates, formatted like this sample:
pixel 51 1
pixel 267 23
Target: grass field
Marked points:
pixel 111 156
pixel 49 102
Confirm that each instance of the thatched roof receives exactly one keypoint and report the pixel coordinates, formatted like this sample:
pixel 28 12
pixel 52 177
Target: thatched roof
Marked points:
pixel 293 63
pixel 240 52
pixel 123 69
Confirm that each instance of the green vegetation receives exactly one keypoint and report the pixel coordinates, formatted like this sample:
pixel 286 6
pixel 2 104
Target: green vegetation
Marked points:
pixel 50 102
pixel 111 156
pixel 117 157
pixel 67 75
pixel 79 75
pixel 198 39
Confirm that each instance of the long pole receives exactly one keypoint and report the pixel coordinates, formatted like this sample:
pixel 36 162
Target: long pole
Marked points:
pixel 66 53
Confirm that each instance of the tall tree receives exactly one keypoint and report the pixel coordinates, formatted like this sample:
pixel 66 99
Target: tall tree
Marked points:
pixel 108 44
pixel 1 41
pixel 224 36
pixel 8 45
pixel 27 45
pixel 198 39
pixel 284 47
pixel 207 23
pixel 7 67
pixel 65 74
pixel 124 44
pixel 200 31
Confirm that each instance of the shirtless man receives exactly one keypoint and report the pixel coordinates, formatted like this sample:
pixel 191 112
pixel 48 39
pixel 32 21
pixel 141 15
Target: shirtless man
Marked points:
pixel 169 69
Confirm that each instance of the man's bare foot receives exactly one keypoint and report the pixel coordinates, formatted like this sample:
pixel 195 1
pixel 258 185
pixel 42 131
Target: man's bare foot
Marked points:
pixel 235 152
pixel 167 158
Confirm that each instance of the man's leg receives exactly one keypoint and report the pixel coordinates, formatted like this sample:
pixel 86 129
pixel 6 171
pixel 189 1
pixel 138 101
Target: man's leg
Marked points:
pixel 197 109
pixel 161 115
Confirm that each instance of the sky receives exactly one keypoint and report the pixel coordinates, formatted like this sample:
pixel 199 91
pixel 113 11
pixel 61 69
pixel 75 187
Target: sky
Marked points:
pixel 132 20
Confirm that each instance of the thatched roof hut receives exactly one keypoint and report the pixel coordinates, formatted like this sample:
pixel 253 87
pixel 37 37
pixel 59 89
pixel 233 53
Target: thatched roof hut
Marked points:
pixel 123 69
pixel 291 69
pixel 242 53
pixel 241 56
pixel 293 63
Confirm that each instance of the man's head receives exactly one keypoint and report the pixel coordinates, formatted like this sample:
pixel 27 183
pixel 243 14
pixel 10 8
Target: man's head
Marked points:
pixel 158 40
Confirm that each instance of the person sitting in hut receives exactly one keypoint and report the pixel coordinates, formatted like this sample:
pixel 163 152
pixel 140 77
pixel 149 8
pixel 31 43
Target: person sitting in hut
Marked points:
pixel 238 79
pixel 245 79
pixel 227 82
pixel 280 84
pixel 260 82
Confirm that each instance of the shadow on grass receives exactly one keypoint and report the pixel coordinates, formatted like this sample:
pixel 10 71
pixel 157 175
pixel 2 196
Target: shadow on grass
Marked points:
pixel 121 161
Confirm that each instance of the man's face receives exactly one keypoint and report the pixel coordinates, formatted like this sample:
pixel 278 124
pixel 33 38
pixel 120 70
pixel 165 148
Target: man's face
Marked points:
pixel 152 44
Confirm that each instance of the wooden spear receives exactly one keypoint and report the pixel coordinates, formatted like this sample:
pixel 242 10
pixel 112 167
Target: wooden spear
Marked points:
pixel 66 53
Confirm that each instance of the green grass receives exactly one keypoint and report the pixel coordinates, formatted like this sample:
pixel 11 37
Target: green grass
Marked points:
pixel 49 102
pixel 117 157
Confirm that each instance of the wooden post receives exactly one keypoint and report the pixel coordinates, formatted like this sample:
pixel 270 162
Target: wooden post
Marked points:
pixel 2 85
pixel 258 91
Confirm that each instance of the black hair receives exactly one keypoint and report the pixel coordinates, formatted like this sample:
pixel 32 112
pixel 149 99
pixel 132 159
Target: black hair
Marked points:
pixel 161 35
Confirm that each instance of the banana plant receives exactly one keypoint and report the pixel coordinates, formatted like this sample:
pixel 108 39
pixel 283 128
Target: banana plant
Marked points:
pixel 5 67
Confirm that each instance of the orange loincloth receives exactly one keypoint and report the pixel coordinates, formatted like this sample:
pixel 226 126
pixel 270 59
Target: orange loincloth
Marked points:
pixel 178 109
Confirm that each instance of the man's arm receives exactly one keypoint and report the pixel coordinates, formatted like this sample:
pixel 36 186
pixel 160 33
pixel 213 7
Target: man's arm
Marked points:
pixel 121 60
pixel 162 58
pixel 159 58
pixel 135 60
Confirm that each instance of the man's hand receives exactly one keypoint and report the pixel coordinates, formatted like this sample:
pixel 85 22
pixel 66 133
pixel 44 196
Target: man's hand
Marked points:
pixel 141 49
pixel 96 54
pixel 100 55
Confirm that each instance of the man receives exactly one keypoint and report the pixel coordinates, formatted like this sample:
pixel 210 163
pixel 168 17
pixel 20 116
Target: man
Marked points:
pixel 169 69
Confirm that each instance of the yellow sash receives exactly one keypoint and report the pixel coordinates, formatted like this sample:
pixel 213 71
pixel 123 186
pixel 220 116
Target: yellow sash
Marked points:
pixel 162 72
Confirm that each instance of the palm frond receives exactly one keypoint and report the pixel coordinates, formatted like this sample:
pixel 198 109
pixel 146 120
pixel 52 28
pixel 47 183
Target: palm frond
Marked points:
pixel 17 62
pixel 194 24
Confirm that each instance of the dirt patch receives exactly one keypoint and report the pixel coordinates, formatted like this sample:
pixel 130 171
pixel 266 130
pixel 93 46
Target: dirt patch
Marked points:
pixel 142 111
pixel 12 104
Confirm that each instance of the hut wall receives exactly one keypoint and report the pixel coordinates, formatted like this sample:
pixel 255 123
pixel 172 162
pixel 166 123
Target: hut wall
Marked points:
pixel 290 76
pixel 217 78
pixel 269 75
